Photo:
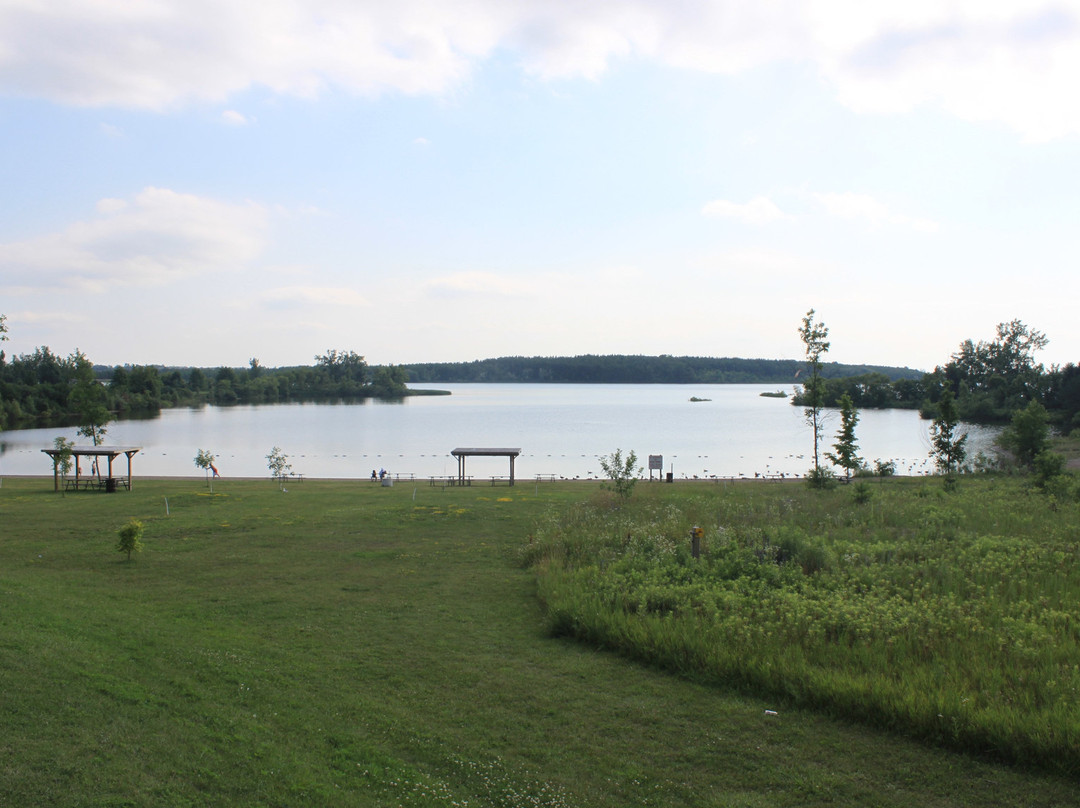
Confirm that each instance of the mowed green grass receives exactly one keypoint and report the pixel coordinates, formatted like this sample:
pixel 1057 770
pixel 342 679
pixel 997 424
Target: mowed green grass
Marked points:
pixel 345 644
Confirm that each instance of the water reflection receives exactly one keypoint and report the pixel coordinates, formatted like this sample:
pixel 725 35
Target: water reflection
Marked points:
pixel 562 430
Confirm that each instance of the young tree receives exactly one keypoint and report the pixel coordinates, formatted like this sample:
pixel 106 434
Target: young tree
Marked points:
pixel 205 460
pixel 1028 435
pixel 88 398
pixel 3 338
pixel 947 441
pixel 814 337
pixel 622 472
pixel 847 447
pixel 62 458
pixel 130 538
pixel 278 463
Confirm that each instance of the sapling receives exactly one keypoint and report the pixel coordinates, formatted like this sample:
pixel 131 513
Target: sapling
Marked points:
pixel 130 538
pixel 278 463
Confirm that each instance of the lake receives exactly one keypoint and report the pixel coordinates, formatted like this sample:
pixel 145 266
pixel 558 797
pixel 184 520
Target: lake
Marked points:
pixel 561 429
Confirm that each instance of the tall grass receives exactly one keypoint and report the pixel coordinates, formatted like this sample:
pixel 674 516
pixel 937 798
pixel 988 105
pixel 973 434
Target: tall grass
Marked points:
pixel 350 645
pixel 954 617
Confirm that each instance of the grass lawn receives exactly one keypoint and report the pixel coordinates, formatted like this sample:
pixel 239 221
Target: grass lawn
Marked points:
pixel 345 644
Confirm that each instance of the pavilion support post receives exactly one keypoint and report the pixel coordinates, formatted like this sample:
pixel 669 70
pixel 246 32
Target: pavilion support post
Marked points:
pixel 512 458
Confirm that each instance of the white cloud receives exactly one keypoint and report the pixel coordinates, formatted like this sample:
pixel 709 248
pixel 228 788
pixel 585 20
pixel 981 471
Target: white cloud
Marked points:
pixel 234 118
pixel 862 207
pixel 318 295
pixel 848 206
pixel 477 284
pixel 759 210
pixel 1010 61
pixel 159 236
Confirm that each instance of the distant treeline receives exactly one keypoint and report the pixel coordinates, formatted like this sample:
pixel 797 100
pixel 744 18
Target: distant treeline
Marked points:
pixel 43 389
pixel 990 380
pixel 628 369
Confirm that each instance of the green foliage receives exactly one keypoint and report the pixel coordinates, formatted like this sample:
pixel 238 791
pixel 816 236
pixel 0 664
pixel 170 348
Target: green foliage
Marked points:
pixel 991 380
pixel 1028 435
pixel 278 463
pixel 41 389
pixel 88 398
pixel 821 478
pixel 947 439
pixel 388 381
pixel 131 538
pixel 847 446
pixel 814 337
pixel 951 618
pixel 344 669
pixel 63 457
pixel 861 492
pixel 204 460
pixel 665 369
pixel 621 471
pixel 1047 466
pixel 885 468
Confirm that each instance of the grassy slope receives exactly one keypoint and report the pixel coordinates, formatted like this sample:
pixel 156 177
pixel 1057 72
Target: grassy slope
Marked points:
pixel 347 644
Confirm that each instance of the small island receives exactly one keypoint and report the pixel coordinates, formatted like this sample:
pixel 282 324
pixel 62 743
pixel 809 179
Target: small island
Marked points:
pixel 774 394
pixel 695 399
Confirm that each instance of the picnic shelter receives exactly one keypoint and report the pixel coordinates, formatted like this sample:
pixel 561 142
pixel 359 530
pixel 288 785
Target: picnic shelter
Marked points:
pixel 94 480
pixel 462 454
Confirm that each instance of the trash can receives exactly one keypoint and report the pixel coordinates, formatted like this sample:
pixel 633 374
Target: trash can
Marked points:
pixel 671 476
pixel 388 482
pixel 110 485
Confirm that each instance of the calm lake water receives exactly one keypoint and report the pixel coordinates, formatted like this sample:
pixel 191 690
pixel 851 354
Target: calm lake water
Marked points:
pixel 561 429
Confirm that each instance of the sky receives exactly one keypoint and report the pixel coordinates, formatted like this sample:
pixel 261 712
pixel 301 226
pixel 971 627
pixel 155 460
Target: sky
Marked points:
pixel 203 182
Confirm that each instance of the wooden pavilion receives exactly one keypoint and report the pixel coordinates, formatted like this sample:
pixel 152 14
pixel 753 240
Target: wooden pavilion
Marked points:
pixel 94 480
pixel 461 454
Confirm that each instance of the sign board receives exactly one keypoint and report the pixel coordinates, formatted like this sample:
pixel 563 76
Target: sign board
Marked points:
pixel 656 462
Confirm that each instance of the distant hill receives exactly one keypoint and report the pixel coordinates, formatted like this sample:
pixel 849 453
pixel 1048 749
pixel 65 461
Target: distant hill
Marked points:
pixel 629 369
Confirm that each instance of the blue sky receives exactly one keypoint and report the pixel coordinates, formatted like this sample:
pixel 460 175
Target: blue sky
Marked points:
pixel 206 182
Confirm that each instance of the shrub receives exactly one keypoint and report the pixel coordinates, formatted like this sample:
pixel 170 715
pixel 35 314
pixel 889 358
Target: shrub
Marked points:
pixel 621 471
pixel 862 493
pixel 130 538
pixel 885 468
pixel 821 478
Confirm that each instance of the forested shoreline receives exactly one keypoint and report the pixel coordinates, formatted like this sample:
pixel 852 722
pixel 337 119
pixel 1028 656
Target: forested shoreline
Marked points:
pixel 636 369
pixel 43 389
pixel 990 381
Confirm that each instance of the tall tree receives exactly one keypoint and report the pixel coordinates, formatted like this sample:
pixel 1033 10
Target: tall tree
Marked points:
pixel 3 407
pixel 947 441
pixel 815 338
pixel 847 447
pixel 88 398
pixel 991 380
